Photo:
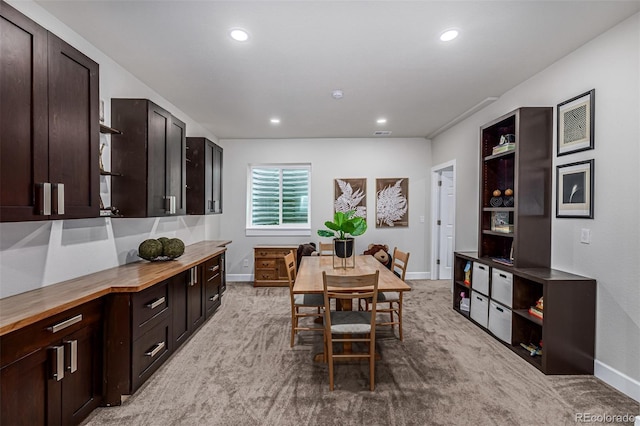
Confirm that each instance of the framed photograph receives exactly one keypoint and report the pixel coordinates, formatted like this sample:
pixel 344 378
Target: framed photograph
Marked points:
pixel 574 189
pixel 576 118
pixel 392 202
pixel 350 194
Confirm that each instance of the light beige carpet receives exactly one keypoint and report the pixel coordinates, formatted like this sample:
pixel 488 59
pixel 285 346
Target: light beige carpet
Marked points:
pixel 239 370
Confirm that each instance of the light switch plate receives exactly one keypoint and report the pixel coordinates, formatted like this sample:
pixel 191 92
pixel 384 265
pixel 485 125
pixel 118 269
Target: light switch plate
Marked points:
pixel 585 236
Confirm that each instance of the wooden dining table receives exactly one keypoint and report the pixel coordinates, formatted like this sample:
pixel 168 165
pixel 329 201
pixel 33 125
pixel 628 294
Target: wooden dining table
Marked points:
pixel 309 278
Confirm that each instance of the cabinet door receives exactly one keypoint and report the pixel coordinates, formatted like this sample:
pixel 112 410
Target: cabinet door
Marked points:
pixel 216 179
pixel 176 174
pixel 81 389
pixel 179 311
pixel 73 132
pixel 23 395
pixel 23 115
pixel 159 123
pixel 195 304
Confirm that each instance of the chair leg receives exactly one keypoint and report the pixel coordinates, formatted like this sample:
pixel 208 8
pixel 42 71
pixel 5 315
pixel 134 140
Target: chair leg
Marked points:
pixel 294 325
pixel 400 317
pixel 330 347
pixel 372 362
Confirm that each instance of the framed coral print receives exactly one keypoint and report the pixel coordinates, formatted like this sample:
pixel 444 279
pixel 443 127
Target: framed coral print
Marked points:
pixel 575 119
pixel 351 194
pixel 392 202
pixel 574 189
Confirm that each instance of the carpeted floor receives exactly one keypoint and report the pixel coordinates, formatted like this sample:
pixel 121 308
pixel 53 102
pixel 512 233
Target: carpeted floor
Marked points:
pixel 238 369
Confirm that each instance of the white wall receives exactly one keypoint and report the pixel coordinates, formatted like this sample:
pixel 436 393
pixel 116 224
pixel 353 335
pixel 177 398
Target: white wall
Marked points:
pixel 36 254
pixel 610 64
pixel 331 158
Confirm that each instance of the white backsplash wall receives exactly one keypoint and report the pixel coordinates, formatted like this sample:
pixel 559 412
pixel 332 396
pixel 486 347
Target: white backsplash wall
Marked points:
pixel 37 254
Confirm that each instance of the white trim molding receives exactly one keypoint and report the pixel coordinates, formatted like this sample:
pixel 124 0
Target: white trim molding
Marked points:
pixel 614 378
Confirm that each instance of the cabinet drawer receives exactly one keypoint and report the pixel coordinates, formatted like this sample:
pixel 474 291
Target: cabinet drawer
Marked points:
pixel 25 340
pixel 149 307
pixel 479 308
pixel 213 294
pixel 480 278
pixel 265 263
pixel 275 252
pixel 502 287
pixel 149 352
pixel 212 269
pixel 500 321
pixel 266 274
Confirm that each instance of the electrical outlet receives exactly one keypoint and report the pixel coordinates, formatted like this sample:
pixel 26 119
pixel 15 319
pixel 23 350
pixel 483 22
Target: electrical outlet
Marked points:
pixel 585 236
pixel 246 263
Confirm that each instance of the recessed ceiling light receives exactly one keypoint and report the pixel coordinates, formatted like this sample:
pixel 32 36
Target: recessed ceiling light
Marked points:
pixel 238 34
pixel 275 121
pixel 449 35
pixel 381 121
pixel 337 94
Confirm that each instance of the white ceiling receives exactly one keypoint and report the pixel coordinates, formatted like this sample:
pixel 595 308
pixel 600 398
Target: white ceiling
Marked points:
pixel 384 55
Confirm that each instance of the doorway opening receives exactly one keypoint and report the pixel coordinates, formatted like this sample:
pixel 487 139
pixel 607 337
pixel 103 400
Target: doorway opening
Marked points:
pixel 443 206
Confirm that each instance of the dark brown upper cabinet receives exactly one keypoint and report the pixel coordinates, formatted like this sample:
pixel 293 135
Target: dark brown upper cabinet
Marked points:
pixel 149 157
pixel 49 119
pixel 204 177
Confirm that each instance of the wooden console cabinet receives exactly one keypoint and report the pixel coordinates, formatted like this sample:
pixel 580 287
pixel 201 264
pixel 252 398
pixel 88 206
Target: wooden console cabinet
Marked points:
pixel 269 267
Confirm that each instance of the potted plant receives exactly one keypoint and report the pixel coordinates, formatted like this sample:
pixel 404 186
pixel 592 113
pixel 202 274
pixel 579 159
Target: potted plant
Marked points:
pixel 344 227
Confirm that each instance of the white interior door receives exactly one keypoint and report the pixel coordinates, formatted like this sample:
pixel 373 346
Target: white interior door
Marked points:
pixel 447 222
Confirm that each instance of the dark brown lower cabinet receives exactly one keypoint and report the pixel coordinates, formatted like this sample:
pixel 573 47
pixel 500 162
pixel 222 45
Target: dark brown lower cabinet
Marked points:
pixel 52 371
pixel 144 328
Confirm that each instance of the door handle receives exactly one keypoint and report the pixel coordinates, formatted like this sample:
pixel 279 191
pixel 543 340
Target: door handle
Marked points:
pixel 170 204
pixel 57 363
pixel 58 198
pixel 44 198
pixel 72 353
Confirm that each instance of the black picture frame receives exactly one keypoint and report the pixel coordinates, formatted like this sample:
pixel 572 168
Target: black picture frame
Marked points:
pixel 574 189
pixel 575 123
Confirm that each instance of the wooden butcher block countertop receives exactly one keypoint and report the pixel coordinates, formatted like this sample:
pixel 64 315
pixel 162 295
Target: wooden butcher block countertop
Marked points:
pixel 28 308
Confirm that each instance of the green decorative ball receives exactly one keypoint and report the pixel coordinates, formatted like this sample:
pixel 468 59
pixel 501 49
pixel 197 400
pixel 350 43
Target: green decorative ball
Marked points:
pixel 150 249
pixel 173 247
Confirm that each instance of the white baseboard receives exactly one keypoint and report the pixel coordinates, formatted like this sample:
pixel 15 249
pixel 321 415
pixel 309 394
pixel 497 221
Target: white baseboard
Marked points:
pixel 614 378
pixel 239 277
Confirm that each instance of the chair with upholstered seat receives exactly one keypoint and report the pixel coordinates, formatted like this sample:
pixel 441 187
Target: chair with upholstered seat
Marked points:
pixel 301 301
pixel 352 326
pixel 393 298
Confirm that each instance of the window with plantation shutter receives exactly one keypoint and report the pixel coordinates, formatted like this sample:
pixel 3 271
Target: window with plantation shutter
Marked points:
pixel 279 199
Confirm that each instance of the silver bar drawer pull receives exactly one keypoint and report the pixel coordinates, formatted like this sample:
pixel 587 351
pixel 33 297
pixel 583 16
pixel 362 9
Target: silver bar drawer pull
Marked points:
pixel 57 363
pixel 157 348
pixel 214 298
pixel 214 268
pixel 58 203
pixel 72 353
pixel 44 198
pixel 156 303
pixel 64 324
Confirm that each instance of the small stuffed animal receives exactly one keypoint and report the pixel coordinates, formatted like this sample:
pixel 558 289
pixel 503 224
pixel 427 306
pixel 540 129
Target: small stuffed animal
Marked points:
pixel 306 249
pixel 380 252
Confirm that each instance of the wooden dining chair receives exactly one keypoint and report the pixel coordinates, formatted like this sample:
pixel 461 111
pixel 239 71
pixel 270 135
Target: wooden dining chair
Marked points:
pixel 325 249
pixel 352 326
pixel 301 302
pixel 391 301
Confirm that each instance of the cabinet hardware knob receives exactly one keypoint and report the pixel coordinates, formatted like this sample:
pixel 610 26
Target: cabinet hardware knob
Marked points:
pixel 214 298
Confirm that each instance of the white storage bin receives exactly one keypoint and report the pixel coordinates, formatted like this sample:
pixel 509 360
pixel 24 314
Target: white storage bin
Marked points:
pixel 502 287
pixel 480 308
pixel 500 321
pixel 480 278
